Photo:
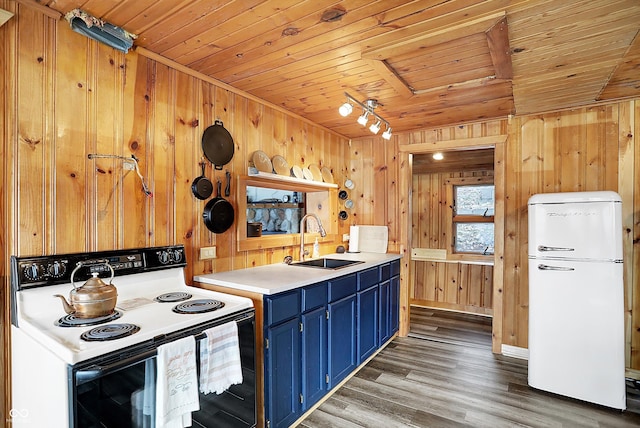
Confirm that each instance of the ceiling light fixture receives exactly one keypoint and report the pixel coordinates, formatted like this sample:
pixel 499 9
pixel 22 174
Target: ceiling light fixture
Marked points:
pixel 438 156
pixel 367 110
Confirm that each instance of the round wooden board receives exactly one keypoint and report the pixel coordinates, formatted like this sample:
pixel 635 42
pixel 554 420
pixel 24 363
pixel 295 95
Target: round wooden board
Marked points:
pixel 262 162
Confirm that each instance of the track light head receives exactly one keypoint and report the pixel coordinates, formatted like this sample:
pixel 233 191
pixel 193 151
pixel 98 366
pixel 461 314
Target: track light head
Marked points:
pixel 387 133
pixel 375 127
pixel 345 109
pixel 362 120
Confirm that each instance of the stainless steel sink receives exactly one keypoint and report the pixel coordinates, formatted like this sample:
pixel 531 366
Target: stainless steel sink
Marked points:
pixel 327 263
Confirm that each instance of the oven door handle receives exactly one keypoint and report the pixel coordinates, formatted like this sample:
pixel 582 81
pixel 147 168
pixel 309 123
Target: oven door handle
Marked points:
pixel 97 370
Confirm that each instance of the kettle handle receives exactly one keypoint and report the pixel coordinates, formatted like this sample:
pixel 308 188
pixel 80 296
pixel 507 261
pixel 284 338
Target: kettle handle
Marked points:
pixel 80 264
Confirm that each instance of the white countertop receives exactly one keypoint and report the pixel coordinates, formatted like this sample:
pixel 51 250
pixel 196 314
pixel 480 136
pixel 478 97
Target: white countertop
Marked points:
pixel 279 277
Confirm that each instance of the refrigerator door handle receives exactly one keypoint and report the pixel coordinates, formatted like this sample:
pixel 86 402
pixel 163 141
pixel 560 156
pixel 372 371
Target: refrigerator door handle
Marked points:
pixel 545 248
pixel 560 268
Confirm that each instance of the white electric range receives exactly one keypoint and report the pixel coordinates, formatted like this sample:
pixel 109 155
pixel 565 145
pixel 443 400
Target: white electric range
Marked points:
pixel 61 363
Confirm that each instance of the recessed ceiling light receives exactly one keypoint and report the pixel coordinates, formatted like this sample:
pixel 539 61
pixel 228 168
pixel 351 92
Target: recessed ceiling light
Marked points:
pixel 438 156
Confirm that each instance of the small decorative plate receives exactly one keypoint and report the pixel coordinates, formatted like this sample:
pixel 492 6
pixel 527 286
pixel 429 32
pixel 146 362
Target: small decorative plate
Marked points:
pixel 326 175
pixel 296 171
pixel 307 173
pixel 315 171
pixel 262 162
pixel 280 165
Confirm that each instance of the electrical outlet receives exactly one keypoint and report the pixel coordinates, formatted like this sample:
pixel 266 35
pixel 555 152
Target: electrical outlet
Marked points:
pixel 207 253
pixel 345 237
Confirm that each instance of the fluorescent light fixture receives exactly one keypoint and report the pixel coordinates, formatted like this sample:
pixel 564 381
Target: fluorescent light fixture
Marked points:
pixel 345 109
pixel 387 133
pixel 375 127
pixel 438 156
pixel 362 120
pixel 83 23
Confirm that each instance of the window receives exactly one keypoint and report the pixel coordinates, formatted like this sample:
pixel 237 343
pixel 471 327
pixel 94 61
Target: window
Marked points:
pixel 473 211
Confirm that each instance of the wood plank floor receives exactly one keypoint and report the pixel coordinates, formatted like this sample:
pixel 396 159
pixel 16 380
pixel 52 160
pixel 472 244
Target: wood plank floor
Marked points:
pixel 444 375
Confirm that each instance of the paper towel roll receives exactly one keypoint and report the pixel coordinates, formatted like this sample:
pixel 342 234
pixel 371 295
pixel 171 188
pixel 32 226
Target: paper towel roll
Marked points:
pixel 354 238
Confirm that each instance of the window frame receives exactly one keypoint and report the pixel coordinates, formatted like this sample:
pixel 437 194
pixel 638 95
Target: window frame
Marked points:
pixel 451 219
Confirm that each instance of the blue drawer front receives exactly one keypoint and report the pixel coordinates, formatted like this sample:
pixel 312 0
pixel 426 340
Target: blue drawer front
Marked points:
pixel 368 278
pixel 385 272
pixel 314 296
pixel 395 268
pixel 342 287
pixel 282 307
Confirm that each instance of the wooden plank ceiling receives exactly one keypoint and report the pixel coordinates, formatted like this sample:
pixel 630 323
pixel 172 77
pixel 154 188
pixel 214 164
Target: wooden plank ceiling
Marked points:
pixel 427 62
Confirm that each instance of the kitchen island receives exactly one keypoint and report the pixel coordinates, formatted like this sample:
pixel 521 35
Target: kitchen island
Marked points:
pixel 314 326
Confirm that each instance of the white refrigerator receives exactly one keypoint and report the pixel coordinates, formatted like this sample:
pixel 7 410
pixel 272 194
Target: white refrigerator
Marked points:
pixel 576 296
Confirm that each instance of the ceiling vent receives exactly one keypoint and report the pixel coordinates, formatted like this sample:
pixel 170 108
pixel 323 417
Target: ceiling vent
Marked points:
pixel 99 30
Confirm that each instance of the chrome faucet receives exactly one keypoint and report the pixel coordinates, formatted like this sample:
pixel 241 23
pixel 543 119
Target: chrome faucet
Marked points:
pixel 302 223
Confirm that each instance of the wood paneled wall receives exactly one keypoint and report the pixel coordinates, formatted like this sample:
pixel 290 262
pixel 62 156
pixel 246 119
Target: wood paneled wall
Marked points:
pixel 450 285
pixel 586 149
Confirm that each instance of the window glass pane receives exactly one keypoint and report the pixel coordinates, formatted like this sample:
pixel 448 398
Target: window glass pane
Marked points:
pixel 474 200
pixel 474 238
pixel 279 211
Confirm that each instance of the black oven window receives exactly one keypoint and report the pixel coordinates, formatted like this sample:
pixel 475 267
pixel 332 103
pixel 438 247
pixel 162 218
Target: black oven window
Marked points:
pixel 125 396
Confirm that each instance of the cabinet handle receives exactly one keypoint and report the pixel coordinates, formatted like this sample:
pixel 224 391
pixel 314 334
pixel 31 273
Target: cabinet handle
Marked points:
pixel 301 327
pixel 301 399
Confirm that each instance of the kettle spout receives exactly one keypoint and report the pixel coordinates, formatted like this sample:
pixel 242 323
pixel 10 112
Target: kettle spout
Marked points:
pixel 67 307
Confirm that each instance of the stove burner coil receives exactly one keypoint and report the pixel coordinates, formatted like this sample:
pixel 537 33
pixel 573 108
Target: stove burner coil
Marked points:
pixel 176 296
pixel 109 332
pixel 198 306
pixel 74 321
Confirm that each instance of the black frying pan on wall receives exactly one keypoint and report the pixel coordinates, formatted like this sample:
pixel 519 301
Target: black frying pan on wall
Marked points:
pixel 217 144
pixel 218 213
pixel 202 187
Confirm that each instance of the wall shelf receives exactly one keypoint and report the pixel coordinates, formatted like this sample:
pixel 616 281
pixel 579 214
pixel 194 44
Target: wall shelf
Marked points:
pixel 291 180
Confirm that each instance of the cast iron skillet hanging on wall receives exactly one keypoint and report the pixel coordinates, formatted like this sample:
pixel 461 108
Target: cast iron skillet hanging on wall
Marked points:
pixel 217 144
pixel 202 187
pixel 218 213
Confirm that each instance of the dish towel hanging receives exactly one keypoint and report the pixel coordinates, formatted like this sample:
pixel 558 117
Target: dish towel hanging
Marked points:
pixel 176 383
pixel 220 359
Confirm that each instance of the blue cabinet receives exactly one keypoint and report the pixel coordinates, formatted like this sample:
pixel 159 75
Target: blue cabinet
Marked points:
pixel 384 313
pixel 318 334
pixel 367 330
pixel 282 377
pixel 314 356
pixel 342 339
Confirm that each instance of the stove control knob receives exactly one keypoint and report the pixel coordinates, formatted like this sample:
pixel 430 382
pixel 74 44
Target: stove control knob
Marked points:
pixel 33 272
pixel 164 257
pixel 177 256
pixel 56 269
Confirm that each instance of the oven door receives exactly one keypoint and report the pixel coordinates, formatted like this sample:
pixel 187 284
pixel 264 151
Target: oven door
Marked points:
pixel 119 390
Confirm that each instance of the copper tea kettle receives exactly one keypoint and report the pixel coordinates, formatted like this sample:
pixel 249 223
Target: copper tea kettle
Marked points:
pixel 92 299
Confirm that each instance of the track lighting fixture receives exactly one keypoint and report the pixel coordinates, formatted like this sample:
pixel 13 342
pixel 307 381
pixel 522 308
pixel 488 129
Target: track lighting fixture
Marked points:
pixel 367 110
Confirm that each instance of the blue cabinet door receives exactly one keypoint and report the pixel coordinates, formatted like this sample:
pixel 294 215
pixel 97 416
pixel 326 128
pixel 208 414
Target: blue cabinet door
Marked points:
pixel 314 356
pixel 342 339
pixel 282 380
pixel 367 331
pixel 385 327
pixel 394 304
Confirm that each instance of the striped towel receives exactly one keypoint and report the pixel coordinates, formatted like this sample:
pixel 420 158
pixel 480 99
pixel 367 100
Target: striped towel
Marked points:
pixel 220 359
